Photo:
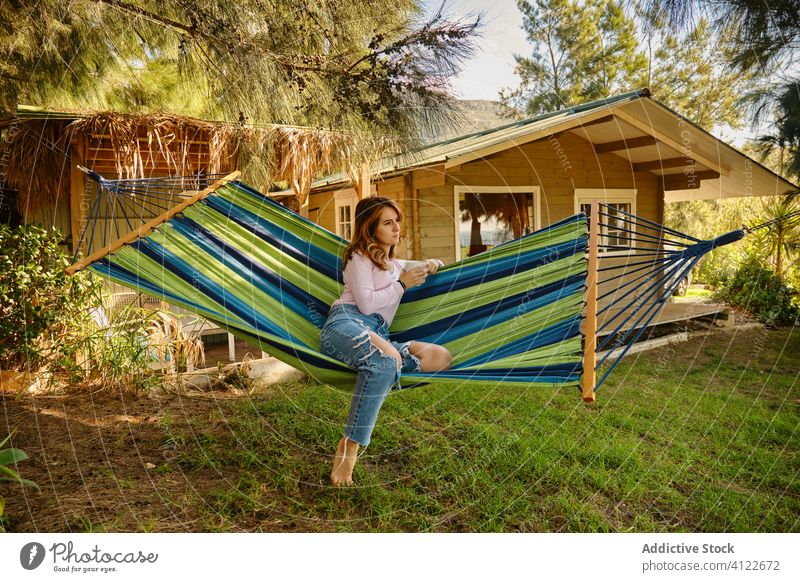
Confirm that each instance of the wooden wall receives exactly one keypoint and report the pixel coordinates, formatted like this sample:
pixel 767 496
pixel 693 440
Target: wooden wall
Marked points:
pixel 175 161
pixel 322 210
pixel 557 167
pixel 56 215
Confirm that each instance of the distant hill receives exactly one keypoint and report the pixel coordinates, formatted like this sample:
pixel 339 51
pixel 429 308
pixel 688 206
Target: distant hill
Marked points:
pixel 477 115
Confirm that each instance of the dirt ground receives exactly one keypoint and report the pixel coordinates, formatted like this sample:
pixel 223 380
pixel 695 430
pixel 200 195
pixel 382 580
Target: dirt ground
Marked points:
pixel 105 458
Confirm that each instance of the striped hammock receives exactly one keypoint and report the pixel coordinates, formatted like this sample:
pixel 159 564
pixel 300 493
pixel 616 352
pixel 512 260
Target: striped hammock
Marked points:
pixel 268 275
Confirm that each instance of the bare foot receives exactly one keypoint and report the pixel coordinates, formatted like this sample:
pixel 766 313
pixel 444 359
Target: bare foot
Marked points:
pixel 343 462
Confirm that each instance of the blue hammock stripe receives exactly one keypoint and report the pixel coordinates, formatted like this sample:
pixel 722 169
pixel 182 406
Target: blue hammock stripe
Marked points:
pixel 230 258
pixel 454 280
pixel 266 280
pixel 498 312
pixel 285 241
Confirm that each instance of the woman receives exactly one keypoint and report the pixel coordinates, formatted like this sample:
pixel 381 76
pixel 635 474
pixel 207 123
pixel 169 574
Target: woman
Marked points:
pixel 357 329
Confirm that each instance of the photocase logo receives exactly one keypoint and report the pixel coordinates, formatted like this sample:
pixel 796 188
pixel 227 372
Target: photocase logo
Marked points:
pixel 31 555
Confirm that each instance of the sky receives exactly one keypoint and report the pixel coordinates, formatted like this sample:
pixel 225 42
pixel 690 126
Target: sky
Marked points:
pixel 492 67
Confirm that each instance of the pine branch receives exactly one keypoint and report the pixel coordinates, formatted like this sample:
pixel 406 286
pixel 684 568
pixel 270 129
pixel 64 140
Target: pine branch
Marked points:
pixel 195 33
pixel 131 9
pixel 12 77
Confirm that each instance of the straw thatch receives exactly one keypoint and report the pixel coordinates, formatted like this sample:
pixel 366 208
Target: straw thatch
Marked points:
pixel 36 164
pixel 41 152
pixel 167 137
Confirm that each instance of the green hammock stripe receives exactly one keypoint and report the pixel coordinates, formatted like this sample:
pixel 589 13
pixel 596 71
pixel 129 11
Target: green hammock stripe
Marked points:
pixel 491 338
pixel 131 259
pixel 260 206
pixel 568 351
pixel 232 283
pixel 286 267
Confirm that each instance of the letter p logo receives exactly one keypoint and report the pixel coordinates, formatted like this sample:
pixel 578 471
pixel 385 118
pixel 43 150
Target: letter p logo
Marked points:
pixel 31 555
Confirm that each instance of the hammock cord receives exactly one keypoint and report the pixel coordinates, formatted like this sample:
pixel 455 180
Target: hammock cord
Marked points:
pixel 645 271
pixel 131 198
pixel 790 218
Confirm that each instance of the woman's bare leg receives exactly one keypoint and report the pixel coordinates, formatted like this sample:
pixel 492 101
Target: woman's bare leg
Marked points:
pixel 432 357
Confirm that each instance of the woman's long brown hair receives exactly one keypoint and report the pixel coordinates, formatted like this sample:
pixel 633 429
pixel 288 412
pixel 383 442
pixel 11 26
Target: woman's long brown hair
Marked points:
pixel 368 212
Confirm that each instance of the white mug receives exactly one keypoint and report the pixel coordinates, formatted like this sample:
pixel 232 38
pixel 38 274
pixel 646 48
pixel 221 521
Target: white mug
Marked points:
pixel 414 264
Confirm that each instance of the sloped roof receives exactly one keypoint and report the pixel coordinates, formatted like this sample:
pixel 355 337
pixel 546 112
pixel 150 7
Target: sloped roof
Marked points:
pixel 652 137
pixel 441 152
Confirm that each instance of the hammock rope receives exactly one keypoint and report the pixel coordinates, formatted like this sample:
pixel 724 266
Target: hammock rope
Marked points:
pixel 790 218
pixel 513 313
pixel 655 262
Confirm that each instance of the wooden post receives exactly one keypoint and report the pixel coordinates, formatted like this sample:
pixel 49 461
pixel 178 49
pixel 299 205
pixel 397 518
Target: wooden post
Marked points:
pixel 302 191
pixel 78 204
pixel 363 188
pixel 408 215
pixel 589 377
pixel 415 242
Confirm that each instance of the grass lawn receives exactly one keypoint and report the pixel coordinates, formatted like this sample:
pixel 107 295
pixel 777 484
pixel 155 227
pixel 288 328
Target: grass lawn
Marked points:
pixel 695 292
pixel 699 436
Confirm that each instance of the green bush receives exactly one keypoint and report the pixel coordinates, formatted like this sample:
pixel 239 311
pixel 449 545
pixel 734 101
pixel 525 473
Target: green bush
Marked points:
pixel 54 323
pixel 718 266
pixel 756 288
pixel 35 292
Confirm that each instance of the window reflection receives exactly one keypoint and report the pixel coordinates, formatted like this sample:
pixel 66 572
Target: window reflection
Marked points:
pixel 490 219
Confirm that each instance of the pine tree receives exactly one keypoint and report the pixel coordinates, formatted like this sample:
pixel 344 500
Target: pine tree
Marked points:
pixel 587 51
pixel 349 64
pixel 688 72
pixel 763 32
pixel 580 53
pixel 764 38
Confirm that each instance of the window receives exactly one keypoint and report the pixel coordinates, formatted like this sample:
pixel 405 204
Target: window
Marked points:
pixel 614 222
pixel 490 216
pixel 344 210
pixel 344 222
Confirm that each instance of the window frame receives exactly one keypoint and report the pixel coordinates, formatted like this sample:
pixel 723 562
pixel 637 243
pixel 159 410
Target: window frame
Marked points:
pixel 463 189
pixel 608 196
pixel 342 199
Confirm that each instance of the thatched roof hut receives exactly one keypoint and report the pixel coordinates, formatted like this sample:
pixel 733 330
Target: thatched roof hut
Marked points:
pixel 40 151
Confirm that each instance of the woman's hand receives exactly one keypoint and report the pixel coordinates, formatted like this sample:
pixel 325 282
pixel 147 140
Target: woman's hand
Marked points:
pixel 415 276
pixel 433 265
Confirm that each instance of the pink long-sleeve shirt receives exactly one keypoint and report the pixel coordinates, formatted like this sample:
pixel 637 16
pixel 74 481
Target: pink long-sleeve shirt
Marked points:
pixel 371 289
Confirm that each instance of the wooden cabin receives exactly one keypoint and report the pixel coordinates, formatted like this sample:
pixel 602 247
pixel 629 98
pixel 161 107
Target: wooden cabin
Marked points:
pixel 630 151
pixel 468 194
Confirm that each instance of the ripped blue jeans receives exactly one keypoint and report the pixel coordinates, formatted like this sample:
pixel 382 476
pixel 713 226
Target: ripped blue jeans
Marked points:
pixel 345 336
